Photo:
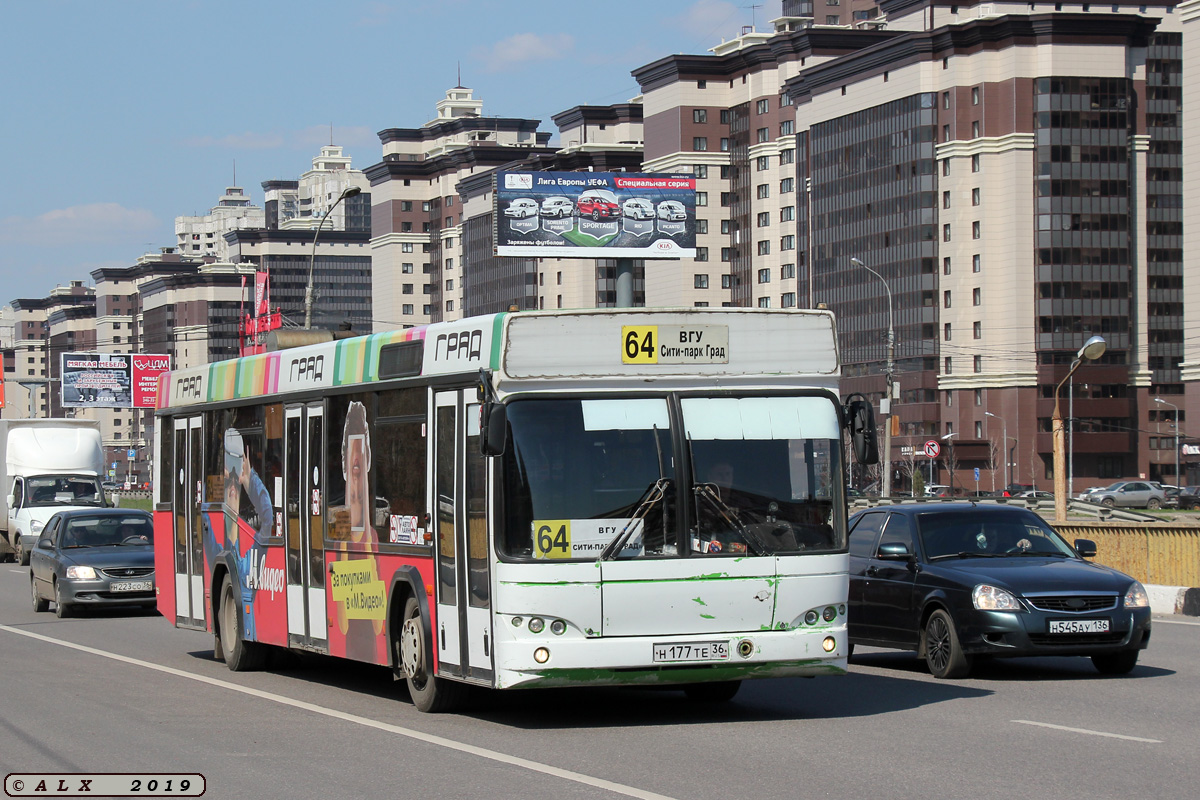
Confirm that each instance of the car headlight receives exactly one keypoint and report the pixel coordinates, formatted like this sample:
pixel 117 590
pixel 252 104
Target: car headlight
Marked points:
pixel 81 573
pixel 37 526
pixel 1136 596
pixel 993 598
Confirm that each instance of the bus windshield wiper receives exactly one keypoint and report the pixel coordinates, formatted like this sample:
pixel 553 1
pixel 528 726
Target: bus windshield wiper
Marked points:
pixel 709 493
pixel 654 493
pixel 967 554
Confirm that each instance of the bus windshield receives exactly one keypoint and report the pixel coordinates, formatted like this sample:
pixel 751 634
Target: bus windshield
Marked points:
pixel 758 479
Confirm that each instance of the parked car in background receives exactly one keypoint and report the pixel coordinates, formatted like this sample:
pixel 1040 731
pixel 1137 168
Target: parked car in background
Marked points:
pixel 1038 494
pixel 110 486
pixel 937 490
pixel 959 580
pixel 93 557
pixel 1130 494
pixel 1014 489
pixel 1172 495
pixel 1189 497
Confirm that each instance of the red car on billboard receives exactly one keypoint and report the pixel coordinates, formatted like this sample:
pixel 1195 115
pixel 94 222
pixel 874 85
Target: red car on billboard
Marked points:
pixel 598 203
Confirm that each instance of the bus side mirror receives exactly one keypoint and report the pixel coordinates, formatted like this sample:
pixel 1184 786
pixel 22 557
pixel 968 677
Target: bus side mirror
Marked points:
pixel 860 419
pixel 493 428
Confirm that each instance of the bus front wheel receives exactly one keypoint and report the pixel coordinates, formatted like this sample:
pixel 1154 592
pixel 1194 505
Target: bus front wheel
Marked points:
pixel 429 693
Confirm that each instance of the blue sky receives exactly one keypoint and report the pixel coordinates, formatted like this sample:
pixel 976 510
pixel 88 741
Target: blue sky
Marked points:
pixel 118 116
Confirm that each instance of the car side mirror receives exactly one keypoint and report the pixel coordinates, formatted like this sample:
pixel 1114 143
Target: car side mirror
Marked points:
pixel 1086 548
pixel 893 551
pixel 45 542
pixel 860 419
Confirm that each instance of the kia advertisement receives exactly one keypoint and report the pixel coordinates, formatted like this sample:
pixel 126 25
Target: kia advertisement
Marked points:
pixel 111 380
pixel 595 215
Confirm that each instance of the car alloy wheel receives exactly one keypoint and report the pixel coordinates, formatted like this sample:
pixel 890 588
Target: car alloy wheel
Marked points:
pixel 943 653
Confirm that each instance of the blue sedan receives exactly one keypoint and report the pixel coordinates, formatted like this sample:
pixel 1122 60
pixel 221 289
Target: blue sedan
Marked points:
pixel 96 557
pixel 959 581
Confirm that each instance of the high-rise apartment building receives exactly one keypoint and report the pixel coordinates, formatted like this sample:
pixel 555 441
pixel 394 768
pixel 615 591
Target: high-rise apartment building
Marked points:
pixel 301 204
pixel 201 236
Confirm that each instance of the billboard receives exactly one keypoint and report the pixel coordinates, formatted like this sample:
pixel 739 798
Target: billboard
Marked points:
pixel 595 215
pixel 111 380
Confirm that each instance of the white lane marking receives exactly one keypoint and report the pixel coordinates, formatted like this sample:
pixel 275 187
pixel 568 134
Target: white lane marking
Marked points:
pixel 1174 622
pixel 450 744
pixel 1085 730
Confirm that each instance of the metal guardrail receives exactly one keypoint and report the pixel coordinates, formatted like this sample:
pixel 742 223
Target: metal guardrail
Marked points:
pixel 1102 513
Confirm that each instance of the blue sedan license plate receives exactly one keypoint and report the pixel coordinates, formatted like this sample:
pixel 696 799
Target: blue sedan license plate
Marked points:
pixel 131 586
pixel 1079 626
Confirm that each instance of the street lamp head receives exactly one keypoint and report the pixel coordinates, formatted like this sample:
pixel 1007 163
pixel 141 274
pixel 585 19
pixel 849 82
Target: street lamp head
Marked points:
pixel 989 414
pixel 354 191
pixel 1093 348
pixel 948 435
pixel 857 263
pixel 1160 400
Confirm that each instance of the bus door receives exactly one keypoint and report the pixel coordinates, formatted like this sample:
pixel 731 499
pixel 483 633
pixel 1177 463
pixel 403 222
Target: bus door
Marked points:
pixel 304 522
pixel 186 503
pixel 460 502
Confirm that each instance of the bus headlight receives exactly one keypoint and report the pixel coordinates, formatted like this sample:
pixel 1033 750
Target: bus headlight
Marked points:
pixel 558 627
pixel 536 625
pixel 830 644
pixel 541 655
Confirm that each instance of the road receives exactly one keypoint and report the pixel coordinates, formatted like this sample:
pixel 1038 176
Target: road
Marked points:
pixel 126 692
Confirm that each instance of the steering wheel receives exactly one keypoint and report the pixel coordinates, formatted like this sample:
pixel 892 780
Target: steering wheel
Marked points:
pixel 137 538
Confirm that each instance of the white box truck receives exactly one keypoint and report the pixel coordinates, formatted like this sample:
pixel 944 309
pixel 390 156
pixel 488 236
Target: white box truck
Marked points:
pixel 49 465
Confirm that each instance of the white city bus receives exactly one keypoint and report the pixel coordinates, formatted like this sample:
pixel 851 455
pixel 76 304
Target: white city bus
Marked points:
pixel 607 497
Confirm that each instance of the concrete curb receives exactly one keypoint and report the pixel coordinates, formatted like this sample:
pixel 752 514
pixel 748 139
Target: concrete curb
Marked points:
pixel 1174 600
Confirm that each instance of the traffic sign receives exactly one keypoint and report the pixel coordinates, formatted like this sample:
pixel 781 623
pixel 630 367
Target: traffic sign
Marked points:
pixel 933 449
pixel 977 474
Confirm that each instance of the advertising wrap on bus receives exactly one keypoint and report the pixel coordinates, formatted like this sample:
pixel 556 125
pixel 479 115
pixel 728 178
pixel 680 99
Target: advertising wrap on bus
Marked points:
pixel 595 215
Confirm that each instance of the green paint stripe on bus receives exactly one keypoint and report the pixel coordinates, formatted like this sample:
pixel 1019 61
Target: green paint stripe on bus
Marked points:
pixel 497 328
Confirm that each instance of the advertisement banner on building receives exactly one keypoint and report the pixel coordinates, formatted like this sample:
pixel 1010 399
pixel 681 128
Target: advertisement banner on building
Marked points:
pixel 595 215
pixel 111 380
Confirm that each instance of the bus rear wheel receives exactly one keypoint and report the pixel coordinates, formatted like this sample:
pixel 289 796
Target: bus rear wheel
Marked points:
pixel 429 694
pixel 240 655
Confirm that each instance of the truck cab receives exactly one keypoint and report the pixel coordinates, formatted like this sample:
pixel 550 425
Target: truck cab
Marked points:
pixel 36 498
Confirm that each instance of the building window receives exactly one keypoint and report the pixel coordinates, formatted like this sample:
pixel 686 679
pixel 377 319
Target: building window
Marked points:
pixel 946 265
pixel 725 172
pixel 701 226
pixel 450 285
pixel 701 84
pixel 946 332
pixel 945 166
pixel 724 116
pixel 787 213
pixel 701 254
pixel 726 281
pixel 975 130
pixel 764 248
pixel 699 142
pixel 787 127
pixel 761 163
pixel 407 309
pixel 975 163
pixel 449 305
pixel 975 263
pixel 978 430
pixel 978 363
pixel 700 170
pixel 697 304
pixel 945 99
pixel 406 205
pixel 699 115
pixel 699 281
pixel 787 271
pixel 946 232
pixel 701 198
pixel 724 145
pixel 425 206
pixel 762 106
pixel 833 19
pixel 408 289
pixel 427 310
pixel 406 227
pixel 976 296
pixel 975 197
pixel 787 242
pixel 975 231
pixel 946 299
pixel 406 247
pixel 764 275
pixel 449 263
pixel 763 134
pixel 945 199
pixel 945 133
pixel 764 302
pixel 975 95
pixel 726 199
pixel 725 256
pixel 763 219
pixel 948 367
pixel 787 157
pixel 787 300
pixel 763 191
pixel 787 185
pixel 977 332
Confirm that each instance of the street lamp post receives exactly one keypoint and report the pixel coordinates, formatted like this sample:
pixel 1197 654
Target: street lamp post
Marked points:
pixel 1003 447
pixel 1092 349
pixel 349 191
pixel 949 437
pixel 886 407
pixel 1172 405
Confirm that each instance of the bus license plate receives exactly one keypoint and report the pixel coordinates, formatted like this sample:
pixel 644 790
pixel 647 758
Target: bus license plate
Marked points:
pixel 691 651
pixel 1079 626
pixel 131 586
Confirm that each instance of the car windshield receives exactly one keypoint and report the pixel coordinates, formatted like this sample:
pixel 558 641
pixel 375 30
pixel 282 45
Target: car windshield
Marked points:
pixel 63 490
pixel 106 531
pixel 970 533
pixel 598 478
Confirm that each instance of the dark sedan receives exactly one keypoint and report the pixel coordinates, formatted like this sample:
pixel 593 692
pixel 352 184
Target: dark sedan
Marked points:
pixel 959 581
pixel 93 557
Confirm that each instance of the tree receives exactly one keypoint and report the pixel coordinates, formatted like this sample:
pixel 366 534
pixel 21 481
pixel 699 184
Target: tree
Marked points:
pixel 951 464
pixel 918 483
pixel 909 468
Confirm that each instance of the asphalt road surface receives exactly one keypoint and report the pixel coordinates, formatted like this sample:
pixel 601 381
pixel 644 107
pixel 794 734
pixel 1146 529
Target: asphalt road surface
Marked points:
pixel 126 692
